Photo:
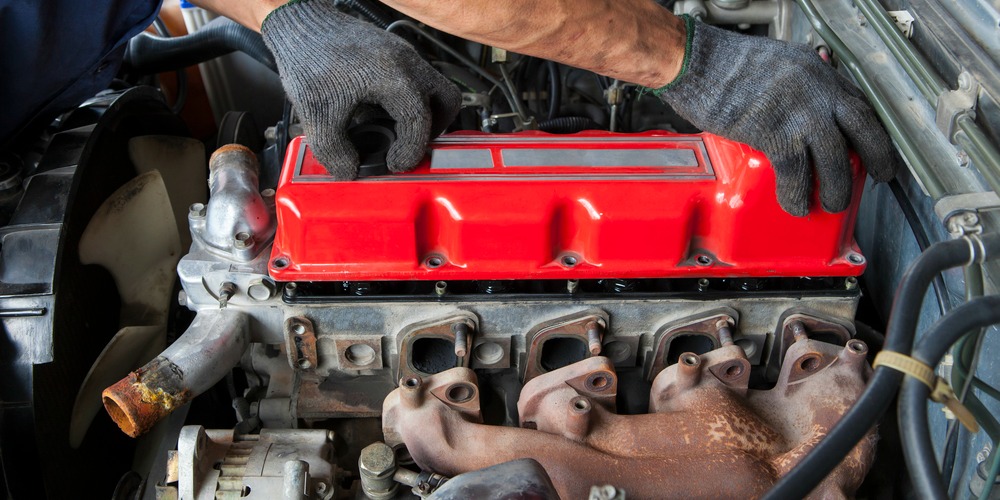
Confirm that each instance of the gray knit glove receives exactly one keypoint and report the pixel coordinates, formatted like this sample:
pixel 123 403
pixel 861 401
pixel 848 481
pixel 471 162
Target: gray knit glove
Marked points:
pixel 785 101
pixel 334 66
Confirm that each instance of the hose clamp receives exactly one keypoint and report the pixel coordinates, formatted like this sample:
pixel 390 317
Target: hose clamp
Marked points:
pixel 941 392
pixel 977 249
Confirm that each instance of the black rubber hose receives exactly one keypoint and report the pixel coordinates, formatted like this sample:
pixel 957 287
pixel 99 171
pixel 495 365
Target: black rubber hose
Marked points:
pixel 555 89
pixel 920 234
pixel 881 390
pixel 149 53
pixel 913 427
pixel 372 12
pixel 182 81
pixel 568 125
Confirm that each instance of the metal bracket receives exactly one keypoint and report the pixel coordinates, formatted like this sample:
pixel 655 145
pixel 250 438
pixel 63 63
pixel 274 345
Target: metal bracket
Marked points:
pixel 904 21
pixel 960 213
pixel 475 100
pixel 955 103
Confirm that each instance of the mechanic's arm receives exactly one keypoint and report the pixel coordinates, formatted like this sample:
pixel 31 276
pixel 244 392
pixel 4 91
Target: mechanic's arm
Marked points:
pixel 779 98
pixel 634 40
pixel 637 41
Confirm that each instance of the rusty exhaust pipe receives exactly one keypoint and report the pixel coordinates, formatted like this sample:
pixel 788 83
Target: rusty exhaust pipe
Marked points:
pixel 207 351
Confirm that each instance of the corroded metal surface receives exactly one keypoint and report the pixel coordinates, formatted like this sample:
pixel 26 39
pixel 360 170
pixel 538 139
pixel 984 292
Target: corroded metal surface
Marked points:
pixel 703 423
pixel 209 349
pixel 145 396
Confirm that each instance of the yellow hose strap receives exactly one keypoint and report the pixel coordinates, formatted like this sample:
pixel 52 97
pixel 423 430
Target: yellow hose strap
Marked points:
pixel 941 392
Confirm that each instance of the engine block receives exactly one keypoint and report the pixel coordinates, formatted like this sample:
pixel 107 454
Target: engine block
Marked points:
pixel 500 277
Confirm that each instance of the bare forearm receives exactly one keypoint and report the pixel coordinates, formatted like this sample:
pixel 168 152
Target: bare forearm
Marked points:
pixel 634 40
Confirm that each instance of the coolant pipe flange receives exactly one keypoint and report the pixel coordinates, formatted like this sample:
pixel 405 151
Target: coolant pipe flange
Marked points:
pixel 238 222
pixel 207 351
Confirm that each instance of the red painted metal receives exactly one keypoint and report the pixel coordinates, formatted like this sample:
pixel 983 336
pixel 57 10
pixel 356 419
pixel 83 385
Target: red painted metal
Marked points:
pixel 535 206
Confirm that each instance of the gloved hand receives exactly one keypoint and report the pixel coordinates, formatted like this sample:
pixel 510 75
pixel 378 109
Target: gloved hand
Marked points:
pixel 333 65
pixel 783 100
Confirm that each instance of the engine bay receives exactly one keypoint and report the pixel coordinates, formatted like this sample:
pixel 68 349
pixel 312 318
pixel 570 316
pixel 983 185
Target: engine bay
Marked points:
pixel 575 294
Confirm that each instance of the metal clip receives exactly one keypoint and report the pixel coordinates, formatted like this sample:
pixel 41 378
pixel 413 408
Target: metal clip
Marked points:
pixel 960 213
pixel 941 392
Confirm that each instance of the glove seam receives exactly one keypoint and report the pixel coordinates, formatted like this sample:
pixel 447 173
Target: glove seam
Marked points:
pixel 689 25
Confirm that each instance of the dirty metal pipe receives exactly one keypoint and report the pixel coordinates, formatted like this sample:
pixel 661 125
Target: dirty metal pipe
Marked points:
pixel 759 12
pixel 929 83
pixel 207 351
pixel 570 428
pixel 980 149
pixel 975 142
pixel 890 118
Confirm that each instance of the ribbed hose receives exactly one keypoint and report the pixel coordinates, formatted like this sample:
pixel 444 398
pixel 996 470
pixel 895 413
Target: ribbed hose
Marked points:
pixel 913 427
pixel 568 125
pixel 149 53
pixel 882 388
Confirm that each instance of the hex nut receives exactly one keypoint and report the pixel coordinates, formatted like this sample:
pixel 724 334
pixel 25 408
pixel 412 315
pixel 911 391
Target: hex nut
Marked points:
pixel 377 459
pixel 261 289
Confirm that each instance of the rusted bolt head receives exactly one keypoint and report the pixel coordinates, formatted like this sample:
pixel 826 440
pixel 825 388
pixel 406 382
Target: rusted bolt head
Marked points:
pixel 690 359
pixel 857 347
pixel 377 459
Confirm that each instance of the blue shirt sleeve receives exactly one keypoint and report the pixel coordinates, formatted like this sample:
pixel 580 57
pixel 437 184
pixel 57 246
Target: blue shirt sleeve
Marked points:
pixel 54 54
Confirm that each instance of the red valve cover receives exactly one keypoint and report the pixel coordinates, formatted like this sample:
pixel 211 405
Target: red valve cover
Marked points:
pixel 533 205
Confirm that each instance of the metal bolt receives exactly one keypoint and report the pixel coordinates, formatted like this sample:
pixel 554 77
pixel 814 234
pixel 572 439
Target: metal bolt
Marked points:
pixel 291 289
pixel 594 337
pixel 851 283
pixel 261 289
pixel 461 339
pixel 725 335
pixel 440 288
pixel 197 210
pixel 798 331
pixel 572 285
pixel 377 464
pixel 242 240
pixel 963 159
pixel 703 284
pixel 182 298
pixel 226 292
